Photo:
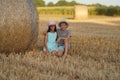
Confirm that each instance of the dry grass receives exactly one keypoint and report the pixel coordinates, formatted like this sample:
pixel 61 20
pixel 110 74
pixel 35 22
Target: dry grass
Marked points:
pixel 94 55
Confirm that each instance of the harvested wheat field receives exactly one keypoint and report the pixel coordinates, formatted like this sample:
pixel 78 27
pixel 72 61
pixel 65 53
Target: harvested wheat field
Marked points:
pixel 94 55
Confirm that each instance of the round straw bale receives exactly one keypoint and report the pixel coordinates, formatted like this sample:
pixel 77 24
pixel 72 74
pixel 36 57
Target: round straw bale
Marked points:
pixel 18 25
pixel 80 12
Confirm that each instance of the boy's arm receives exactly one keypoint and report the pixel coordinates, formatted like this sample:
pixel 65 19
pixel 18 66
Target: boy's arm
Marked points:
pixel 68 36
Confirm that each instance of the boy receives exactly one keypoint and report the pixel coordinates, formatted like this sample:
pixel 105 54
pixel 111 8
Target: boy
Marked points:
pixel 63 38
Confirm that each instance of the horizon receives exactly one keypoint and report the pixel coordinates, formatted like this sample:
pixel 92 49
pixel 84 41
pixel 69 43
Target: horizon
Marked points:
pixel 103 2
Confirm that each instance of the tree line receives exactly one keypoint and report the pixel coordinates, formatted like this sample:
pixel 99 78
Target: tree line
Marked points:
pixel 41 3
pixel 98 9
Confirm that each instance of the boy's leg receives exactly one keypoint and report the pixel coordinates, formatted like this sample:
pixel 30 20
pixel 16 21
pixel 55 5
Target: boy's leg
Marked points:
pixel 60 53
pixel 66 46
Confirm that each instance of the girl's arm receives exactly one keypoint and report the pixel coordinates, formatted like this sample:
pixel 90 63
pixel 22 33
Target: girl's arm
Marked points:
pixel 58 39
pixel 45 43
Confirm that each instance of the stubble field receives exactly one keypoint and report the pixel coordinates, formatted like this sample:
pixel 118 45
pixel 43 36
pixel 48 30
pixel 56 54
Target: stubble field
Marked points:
pixel 94 54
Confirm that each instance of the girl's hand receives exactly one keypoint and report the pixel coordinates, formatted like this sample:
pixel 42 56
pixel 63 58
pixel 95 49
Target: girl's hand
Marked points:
pixel 47 51
pixel 45 33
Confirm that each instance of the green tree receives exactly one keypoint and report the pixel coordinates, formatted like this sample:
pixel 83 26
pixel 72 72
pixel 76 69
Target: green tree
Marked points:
pixel 62 3
pixel 66 3
pixel 72 3
pixel 39 3
pixel 50 4
pixel 97 5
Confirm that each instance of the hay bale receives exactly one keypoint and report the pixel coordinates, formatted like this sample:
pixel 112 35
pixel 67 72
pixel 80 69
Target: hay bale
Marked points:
pixel 80 12
pixel 18 25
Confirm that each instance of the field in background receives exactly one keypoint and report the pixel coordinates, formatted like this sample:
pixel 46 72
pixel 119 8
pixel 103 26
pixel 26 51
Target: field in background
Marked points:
pixel 66 10
pixel 94 19
pixel 94 53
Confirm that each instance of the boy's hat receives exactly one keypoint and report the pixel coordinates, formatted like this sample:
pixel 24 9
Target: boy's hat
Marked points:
pixel 51 23
pixel 62 21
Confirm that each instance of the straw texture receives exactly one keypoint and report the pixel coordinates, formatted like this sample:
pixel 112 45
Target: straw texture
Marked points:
pixel 18 25
pixel 81 12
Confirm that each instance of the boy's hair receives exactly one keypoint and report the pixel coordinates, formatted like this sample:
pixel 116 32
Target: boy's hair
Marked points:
pixel 49 28
pixel 63 22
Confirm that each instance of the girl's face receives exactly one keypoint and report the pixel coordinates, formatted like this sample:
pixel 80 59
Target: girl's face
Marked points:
pixel 63 26
pixel 52 28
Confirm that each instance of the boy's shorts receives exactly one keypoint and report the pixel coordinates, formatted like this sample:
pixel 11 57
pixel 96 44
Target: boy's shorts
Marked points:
pixel 61 48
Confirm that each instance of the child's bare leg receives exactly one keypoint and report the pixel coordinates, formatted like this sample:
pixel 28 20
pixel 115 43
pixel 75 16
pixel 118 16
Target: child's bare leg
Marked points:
pixel 60 53
pixel 54 52
pixel 66 46
pixel 44 53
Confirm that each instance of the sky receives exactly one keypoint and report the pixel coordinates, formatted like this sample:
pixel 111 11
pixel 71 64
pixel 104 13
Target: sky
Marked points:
pixel 104 2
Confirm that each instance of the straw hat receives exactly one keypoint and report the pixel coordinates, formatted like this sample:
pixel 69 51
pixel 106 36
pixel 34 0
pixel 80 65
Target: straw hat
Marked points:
pixel 63 21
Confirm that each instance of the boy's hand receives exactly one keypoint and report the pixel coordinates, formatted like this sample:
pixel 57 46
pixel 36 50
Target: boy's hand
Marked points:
pixel 65 54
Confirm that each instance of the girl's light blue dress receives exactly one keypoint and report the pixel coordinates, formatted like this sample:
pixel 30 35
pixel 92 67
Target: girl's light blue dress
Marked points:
pixel 51 42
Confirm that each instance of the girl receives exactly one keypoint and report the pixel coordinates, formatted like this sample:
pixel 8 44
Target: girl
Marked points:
pixel 50 39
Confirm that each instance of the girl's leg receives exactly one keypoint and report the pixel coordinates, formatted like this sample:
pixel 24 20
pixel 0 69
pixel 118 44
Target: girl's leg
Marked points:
pixel 54 52
pixel 45 54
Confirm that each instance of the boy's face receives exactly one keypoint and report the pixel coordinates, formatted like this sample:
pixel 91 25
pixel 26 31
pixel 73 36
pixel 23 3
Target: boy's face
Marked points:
pixel 63 26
